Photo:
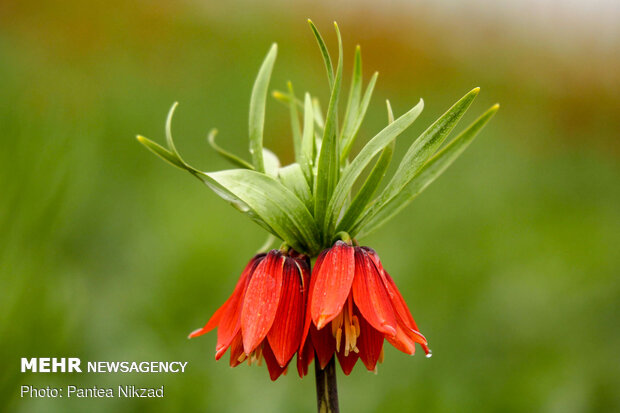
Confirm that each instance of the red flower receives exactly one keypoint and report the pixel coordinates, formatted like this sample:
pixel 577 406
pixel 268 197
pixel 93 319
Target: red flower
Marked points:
pixel 353 305
pixel 263 318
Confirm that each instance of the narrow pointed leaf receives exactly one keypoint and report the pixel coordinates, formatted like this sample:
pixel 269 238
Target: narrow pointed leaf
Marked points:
pixel 295 126
pixel 230 157
pixel 324 53
pixel 431 171
pixel 307 142
pixel 316 106
pixel 257 108
pixel 426 145
pixel 160 151
pixel 285 99
pixel 372 148
pixel 328 166
pixel 355 94
pixel 171 154
pixel 371 184
pixel 350 136
pixel 169 140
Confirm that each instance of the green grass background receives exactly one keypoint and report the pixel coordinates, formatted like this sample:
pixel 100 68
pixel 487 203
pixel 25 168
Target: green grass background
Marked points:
pixel 509 262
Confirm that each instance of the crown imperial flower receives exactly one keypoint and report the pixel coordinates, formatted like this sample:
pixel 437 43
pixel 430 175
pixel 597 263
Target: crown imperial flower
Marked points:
pixel 353 306
pixel 263 318
pixel 350 305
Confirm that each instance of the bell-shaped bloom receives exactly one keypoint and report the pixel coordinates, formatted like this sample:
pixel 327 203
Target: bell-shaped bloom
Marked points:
pixel 353 305
pixel 264 316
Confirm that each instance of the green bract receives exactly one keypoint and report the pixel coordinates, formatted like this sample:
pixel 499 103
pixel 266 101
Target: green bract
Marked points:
pixel 306 204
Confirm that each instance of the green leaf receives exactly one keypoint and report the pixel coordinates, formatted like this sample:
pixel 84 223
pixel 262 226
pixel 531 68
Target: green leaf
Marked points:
pixel 371 184
pixel 355 94
pixel 160 151
pixel 308 143
pixel 272 163
pixel 169 140
pixel 424 147
pixel 316 106
pixel 390 113
pixel 170 155
pixel 232 158
pixel 325 53
pixel 295 127
pixel 349 137
pixel 294 179
pixel 368 152
pixel 285 99
pixel 429 172
pixel 257 108
pixel 328 166
pixel 282 212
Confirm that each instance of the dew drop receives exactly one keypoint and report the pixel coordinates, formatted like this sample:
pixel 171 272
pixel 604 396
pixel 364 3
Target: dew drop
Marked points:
pixel 429 355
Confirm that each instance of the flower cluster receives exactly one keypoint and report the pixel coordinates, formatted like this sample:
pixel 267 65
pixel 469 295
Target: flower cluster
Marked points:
pixel 347 307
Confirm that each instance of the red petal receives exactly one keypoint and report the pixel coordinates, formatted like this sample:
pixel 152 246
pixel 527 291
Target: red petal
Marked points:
pixel 213 321
pixel 406 338
pixel 307 316
pixel 333 284
pixel 324 344
pixel 347 363
pixel 230 322
pixel 288 324
pixel 261 300
pixel 370 295
pixel 304 358
pixel 405 319
pixel 369 343
pixel 275 370
pixel 236 350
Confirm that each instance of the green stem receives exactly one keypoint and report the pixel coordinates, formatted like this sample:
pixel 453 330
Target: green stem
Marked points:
pixel 326 387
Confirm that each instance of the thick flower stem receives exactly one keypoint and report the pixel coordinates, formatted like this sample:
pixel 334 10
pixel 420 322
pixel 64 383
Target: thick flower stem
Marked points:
pixel 326 387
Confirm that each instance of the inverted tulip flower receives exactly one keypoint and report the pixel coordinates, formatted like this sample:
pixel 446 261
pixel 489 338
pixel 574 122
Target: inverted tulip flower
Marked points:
pixel 263 318
pixel 349 305
pixel 353 306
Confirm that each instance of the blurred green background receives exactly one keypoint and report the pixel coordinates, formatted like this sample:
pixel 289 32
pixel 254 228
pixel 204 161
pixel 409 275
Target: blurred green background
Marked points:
pixel 510 261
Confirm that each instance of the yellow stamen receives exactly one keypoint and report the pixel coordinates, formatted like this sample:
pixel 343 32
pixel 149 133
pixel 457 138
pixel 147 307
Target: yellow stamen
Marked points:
pixel 349 323
pixel 254 357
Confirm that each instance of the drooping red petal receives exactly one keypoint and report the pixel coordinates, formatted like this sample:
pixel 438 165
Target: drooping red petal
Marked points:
pixel 230 322
pixel 369 343
pixel 215 319
pixel 402 341
pixel 275 370
pixel 332 284
pixel 408 324
pixel 236 350
pixel 307 315
pixel 285 333
pixel 304 358
pixel 324 344
pixel 405 339
pixel 347 362
pixel 370 295
pixel 212 323
pixel 261 300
